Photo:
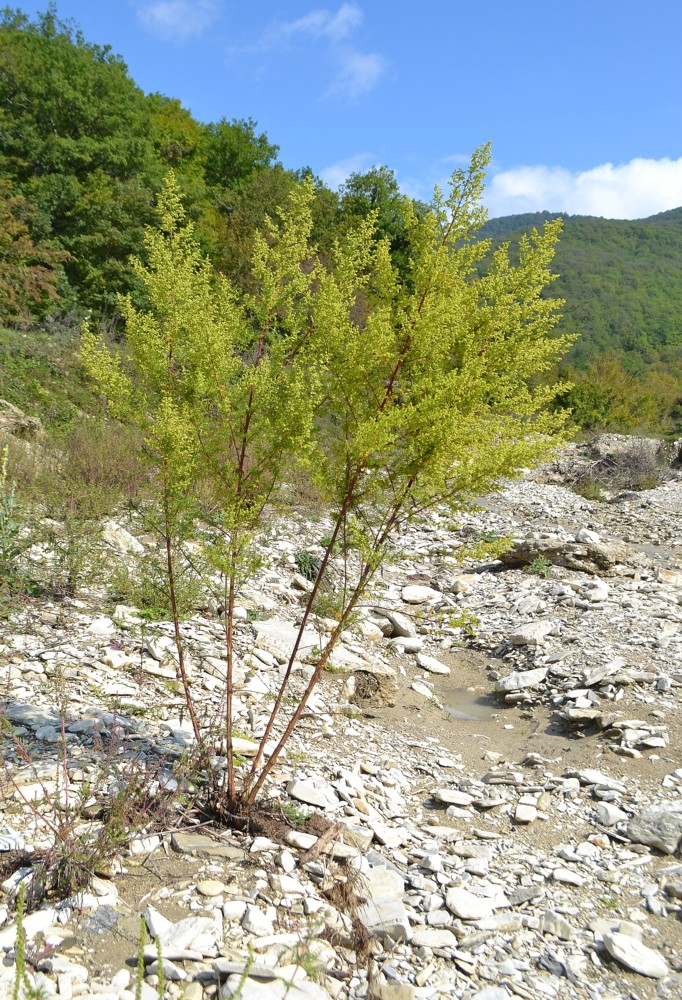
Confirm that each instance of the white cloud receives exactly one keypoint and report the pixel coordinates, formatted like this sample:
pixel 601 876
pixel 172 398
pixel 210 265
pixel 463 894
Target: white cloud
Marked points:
pixel 457 159
pixel 324 24
pixel 177 20
pixel 631 190
pixel 335 175
pixel 356 72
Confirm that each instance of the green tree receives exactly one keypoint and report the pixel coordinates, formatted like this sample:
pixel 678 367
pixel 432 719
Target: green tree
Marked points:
pixel 75 140
pixel 607 397
pixel 376 194
pixel 233 152
pixel 242 216
pixel 29 274
pixel 424 399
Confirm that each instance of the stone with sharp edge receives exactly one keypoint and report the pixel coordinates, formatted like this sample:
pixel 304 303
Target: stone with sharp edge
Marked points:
pixel 635 955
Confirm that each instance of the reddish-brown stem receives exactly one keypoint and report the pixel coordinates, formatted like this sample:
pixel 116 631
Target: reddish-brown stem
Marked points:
pixel 229 614
pixel 170 568
pixel 229 611
pixel 306 614
pixel 250 794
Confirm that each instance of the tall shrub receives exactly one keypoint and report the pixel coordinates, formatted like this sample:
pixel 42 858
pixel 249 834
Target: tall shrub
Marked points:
pixel 400 390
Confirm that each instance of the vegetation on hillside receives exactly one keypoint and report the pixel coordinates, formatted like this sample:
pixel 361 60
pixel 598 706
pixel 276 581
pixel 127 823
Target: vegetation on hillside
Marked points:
pixel 620 280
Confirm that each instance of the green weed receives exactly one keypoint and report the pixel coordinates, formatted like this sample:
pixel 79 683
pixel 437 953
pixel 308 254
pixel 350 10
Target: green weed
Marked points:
pixel 540 566
pixel 307 564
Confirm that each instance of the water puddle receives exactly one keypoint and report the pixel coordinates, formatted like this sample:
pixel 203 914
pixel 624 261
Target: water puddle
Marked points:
pixel 468 704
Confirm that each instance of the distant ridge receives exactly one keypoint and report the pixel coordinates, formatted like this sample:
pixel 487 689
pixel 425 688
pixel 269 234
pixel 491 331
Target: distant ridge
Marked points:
pixel 621 279
pixel 505 225
pixel 672 215
pixel 513 223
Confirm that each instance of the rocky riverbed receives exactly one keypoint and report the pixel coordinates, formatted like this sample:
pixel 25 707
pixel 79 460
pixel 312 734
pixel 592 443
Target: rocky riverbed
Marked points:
pixel 495 754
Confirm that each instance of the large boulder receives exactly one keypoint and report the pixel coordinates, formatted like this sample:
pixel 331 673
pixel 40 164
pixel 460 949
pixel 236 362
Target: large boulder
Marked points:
pixel 579 556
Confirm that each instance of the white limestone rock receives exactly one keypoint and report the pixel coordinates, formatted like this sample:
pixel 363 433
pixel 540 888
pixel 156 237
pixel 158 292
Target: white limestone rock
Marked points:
pixel 636 956
pixel 416 594
pixel 531 634
pixel 467 906
pixel 431 664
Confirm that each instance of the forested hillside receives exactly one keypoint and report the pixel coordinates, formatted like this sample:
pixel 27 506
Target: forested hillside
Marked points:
pixel 84 152
pixel 621 283
pixel 620 278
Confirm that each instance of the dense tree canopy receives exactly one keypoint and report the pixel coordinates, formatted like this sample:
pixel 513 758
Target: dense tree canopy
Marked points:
pixel 28 273
pixel 75 142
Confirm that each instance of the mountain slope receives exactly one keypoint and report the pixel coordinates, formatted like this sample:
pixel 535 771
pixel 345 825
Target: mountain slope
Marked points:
pixel 620 279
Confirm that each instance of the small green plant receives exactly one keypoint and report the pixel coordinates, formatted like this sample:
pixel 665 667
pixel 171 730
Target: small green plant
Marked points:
pixel 252 615
pixel 589 490
pixel 143 583
pixel 483 545
pixel 127 796
pixel 329 603
pixel 293 813
pixel 467 621
pixel 20 977
pixel 306 958
pixel 540 566
pixel 308 564
pixel 22 988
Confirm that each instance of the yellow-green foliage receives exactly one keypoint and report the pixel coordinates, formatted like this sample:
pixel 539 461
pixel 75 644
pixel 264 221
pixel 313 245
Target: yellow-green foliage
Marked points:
pixel 435 396
pixel 427 386
pixel 399 389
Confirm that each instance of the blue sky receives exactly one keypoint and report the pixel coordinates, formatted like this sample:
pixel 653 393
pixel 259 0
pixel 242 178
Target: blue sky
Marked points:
pixel 582 99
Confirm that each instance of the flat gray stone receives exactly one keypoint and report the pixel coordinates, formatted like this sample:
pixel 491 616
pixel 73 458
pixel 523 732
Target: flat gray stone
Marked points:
pixel 531 634
pixel 256 970
pixel 256 921
pixel 416 594
pixel 452 797
pixel 431 664
pixel 635 955
pixel 276 989
pixel 392 991
pixel 202 846
pixel 314 793
pixel 521 680
pixel 102 920
pixel 384 913
pixel 434 937
pixel 278 637
pixel 608 814
pixel 659 826
pixel 467 906
pixel 554 923
pixel 11 841
pixel 120 539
